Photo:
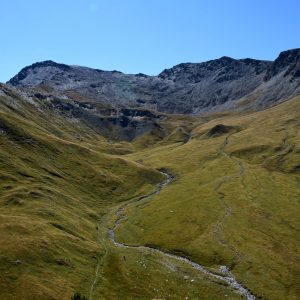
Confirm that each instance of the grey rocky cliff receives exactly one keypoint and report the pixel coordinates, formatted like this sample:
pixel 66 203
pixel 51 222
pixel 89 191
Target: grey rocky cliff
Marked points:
pixel 281 81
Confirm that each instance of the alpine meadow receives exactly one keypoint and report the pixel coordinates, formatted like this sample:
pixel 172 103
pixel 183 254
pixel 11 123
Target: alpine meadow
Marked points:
pixel 182 185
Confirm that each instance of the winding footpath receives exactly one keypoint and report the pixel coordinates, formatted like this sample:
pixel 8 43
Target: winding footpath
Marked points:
pixel 227 277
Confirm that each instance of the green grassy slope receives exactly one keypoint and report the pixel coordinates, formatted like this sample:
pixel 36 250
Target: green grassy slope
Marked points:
pixel 235 200
pixel 60 185
pixel 54 187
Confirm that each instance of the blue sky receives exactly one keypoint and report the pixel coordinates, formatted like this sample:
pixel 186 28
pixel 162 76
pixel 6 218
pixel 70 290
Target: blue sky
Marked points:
pixel 143 35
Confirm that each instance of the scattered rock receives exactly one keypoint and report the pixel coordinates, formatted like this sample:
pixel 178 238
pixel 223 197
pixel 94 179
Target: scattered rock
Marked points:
pixel 223 270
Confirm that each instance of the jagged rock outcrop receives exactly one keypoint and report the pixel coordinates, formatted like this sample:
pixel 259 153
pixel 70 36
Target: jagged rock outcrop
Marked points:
pixel 287 62
pixel 281 81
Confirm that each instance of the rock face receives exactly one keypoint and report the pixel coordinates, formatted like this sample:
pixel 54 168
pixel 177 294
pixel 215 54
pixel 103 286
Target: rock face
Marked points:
pixel 287 62
pixel 216 85
pixel 123 124
pixel 28 75
pixel 282 80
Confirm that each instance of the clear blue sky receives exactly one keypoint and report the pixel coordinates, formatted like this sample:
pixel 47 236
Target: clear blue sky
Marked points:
pixel 143 35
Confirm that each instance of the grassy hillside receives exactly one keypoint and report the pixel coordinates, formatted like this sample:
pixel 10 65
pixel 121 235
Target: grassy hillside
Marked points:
pixel 56 182
pixel 234 202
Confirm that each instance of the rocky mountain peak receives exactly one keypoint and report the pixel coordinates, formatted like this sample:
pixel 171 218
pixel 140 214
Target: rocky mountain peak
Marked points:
pixel 47 66
pixel 287 62
pixel 217 68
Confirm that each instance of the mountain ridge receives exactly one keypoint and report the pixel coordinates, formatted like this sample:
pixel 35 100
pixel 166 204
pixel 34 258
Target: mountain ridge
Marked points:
pixel 186 88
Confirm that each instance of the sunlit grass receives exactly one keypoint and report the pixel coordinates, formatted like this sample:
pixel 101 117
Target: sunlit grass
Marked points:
pixel 233 204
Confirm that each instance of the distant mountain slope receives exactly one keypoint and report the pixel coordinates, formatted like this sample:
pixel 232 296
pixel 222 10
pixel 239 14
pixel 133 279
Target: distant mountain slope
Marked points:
pixel 216 85
pixel 281 81
pixel 203 86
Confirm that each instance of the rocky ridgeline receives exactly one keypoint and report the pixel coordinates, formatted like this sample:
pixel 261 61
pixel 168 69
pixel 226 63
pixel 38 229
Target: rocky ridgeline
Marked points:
pixel 216 85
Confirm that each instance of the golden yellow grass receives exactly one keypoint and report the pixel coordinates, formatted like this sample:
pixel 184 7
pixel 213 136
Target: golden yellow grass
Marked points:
pixel 234 204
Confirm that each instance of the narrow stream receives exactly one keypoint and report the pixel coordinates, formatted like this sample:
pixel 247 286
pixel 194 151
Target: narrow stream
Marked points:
pixel 227 276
